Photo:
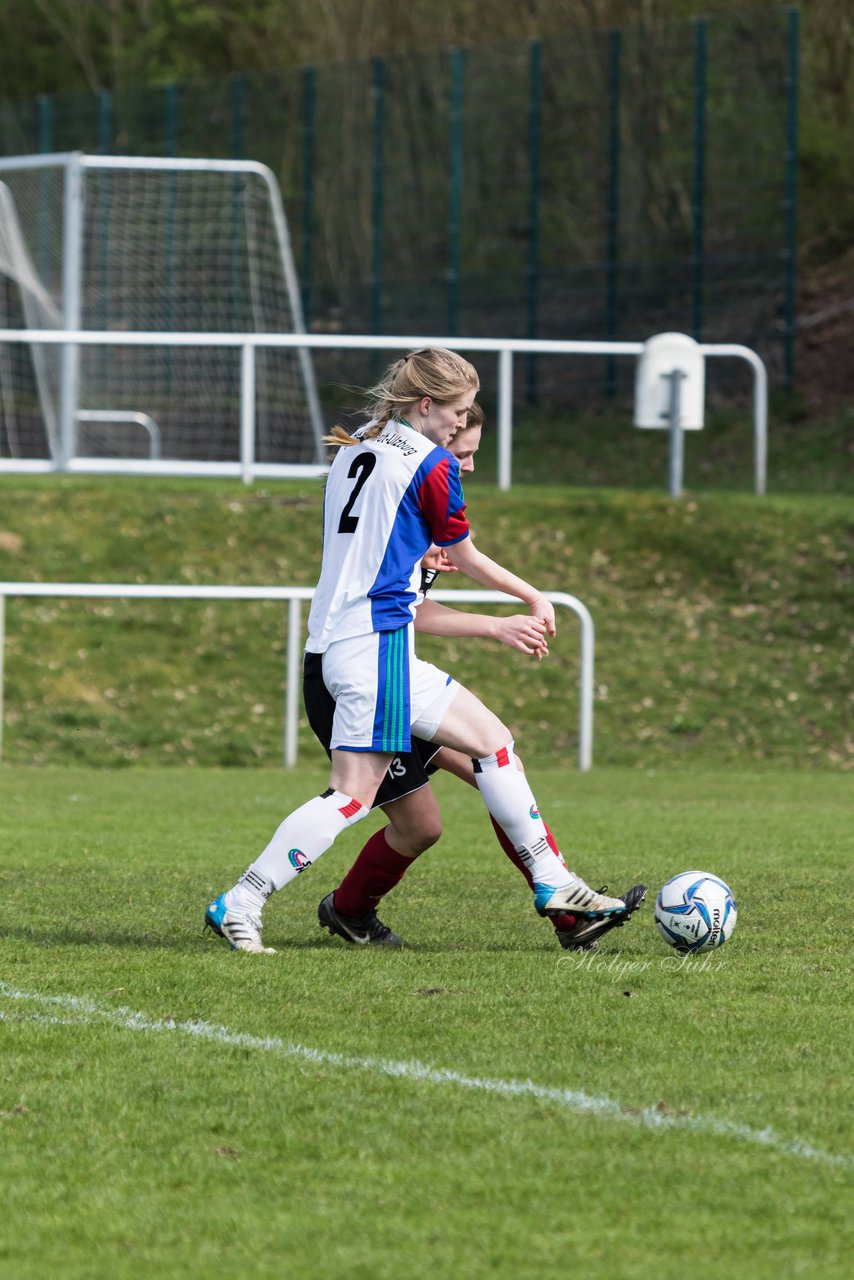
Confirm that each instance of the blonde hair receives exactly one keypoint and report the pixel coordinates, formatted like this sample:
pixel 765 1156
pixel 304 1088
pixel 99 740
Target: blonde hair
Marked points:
pixel 433 371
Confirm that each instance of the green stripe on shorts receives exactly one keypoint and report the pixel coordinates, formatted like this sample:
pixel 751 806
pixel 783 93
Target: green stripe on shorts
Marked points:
pixel 394 699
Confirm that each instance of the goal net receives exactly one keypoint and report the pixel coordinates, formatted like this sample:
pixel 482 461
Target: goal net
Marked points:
pixel 149 245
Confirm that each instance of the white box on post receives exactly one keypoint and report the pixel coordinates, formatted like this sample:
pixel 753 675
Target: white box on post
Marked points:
pixel 670 386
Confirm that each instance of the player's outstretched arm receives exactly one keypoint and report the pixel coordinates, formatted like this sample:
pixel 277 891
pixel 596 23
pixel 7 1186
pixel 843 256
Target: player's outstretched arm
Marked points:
pixel 521 631
pixel 490 573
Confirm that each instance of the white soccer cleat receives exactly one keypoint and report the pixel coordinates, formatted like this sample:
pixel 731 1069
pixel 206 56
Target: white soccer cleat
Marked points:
pixel 241 929
pixel 578 899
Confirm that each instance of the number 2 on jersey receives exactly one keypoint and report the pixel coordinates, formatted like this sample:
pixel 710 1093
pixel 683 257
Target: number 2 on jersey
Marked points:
pixel 360 468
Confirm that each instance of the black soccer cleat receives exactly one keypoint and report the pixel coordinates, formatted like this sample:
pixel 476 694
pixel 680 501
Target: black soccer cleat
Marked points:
pixel 586 934
pixel 366 931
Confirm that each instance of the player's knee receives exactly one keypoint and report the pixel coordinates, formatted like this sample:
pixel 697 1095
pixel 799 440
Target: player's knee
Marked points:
pixel 501 753
pixel 434 835
pixel 415 840
pixel 426 838
pixel 490 744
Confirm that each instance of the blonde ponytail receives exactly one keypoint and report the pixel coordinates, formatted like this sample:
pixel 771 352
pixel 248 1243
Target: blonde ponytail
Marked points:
pixel 433 371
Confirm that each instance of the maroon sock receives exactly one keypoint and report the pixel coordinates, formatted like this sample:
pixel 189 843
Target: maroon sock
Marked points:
pixel 562 922
pixel 375 872
pixel 507 845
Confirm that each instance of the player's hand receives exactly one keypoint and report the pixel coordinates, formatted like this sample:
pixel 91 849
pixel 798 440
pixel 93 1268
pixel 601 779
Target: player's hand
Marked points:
pixel 436 558
pixel 543 609
pixel 525 633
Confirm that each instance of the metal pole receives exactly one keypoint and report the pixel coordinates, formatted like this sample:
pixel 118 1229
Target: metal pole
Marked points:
pixel 698 231
pixel 170 123
pixel 455 171
pixel 102 319
pixel 72 273
pixel 790 202
pixel 585 693
pixel 299 321
pixel 238 102
pixel 308 77
pixel 292 681
pixel 535 100
pixel 105 131
pixel 236 265
pixel 677 435
pixel 760 427
pixel 613 218
pixel 45 119
pixel 505 418
pixel 45 131
pixel 236 273
pixel 760 404
pixel 170 214
pixel 247 412
pixel 378 91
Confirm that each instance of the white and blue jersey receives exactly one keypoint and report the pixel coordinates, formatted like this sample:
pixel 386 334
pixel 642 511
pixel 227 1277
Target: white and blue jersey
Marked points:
pixel 387 499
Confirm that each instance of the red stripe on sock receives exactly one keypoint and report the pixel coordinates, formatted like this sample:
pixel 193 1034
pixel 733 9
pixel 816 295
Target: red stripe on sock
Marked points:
pixel 502 757
pixel 349 809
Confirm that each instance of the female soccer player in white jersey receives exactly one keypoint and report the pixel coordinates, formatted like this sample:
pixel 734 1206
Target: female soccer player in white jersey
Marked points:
pixel 392 490
pixel 405 794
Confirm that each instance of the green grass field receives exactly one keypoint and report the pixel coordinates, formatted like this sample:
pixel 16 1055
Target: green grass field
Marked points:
pixel 478 1104
pixel 481 1103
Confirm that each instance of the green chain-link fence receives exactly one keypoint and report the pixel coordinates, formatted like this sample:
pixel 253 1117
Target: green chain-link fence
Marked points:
pixel 598 185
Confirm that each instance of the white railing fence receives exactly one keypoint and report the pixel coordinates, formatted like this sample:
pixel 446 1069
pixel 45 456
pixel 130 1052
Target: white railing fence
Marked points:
pixel 295 635
pixel 248 468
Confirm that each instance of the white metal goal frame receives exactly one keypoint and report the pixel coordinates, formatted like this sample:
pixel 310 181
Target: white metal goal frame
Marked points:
pixel 75 165
pixel 295 596
pixel 249 469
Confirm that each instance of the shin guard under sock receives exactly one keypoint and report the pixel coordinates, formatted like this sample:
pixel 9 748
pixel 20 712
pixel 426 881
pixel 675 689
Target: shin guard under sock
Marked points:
pixel 298 842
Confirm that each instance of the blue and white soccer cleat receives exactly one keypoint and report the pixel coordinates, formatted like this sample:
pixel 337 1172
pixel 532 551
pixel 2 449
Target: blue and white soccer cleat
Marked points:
pixel 578 899
pixel 241 930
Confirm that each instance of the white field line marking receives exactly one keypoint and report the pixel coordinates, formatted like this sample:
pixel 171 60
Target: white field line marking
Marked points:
pixel 87 1012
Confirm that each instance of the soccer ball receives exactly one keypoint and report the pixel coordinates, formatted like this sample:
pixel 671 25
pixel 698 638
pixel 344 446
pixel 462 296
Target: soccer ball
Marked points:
pixel 695 911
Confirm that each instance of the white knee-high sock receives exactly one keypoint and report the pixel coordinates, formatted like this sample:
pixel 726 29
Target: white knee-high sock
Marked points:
pixel 298 842
pixel 509 799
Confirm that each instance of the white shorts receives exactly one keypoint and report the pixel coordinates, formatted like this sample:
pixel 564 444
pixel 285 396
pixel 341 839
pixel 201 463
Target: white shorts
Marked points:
pixel 383 693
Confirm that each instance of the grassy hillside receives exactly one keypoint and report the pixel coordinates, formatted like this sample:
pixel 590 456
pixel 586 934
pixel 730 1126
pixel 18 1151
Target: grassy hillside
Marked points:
pixel 724 622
